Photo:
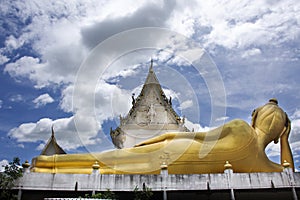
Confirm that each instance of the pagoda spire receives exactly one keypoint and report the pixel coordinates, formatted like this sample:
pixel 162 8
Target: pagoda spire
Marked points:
pixel 151 114
pixel 151 77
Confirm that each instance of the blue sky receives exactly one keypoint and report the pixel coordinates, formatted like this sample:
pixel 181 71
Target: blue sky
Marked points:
pixel 44 46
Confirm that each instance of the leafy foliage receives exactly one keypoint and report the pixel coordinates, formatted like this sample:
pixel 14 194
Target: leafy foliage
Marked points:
pixel 12 171
pixel 144 194
pixel 105 195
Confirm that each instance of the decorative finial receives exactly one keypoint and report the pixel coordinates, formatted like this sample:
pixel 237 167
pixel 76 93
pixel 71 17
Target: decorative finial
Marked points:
pixel 164 166
pixel 96 165
pixel 227 165
pixel 286 164
pixel 52 129
pixel 151 65
pixel 26 164
pixel 165 157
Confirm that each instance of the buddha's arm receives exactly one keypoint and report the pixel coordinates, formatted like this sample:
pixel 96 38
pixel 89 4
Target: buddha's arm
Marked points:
pixel 157 139
pixel 169 136
pixel 212 135
pixel 286 153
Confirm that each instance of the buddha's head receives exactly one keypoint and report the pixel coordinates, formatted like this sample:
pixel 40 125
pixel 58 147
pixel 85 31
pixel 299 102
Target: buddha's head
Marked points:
pixel 271 121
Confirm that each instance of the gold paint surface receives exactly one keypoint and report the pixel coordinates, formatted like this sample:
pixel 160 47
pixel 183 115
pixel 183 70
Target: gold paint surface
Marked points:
pixel 236 141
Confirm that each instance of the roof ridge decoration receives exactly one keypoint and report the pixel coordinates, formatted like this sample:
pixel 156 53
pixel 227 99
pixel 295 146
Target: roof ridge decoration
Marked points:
pixel 52 147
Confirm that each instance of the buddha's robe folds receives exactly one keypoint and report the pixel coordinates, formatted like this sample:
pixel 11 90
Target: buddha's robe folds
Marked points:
pixel 184 153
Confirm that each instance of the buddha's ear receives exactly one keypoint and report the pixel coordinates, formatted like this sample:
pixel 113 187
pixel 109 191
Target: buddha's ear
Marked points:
pixel 287 129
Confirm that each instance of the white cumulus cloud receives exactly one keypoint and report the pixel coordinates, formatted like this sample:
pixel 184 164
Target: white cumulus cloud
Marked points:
pixel 186 104
pixel 65 132
pixel 3 163
pixel 42 100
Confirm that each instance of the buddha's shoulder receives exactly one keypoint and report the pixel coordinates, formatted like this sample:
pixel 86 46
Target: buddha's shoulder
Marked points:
pixel 236 133
pixel 236 136
pixel 238 124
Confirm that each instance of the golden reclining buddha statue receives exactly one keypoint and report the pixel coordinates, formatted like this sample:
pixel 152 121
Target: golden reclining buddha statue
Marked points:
pixel 241 144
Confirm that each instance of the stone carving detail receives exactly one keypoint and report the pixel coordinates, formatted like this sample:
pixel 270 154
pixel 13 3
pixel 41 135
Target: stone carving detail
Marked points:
pixel 118 137
pixel 133 100
pixel 151 114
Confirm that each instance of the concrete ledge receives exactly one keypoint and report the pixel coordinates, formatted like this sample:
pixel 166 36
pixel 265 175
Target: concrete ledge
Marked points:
pixel 184 182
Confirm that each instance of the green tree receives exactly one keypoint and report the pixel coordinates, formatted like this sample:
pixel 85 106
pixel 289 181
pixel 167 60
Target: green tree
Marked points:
pixel 12 171
pixel 144 194
pixel 105 195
